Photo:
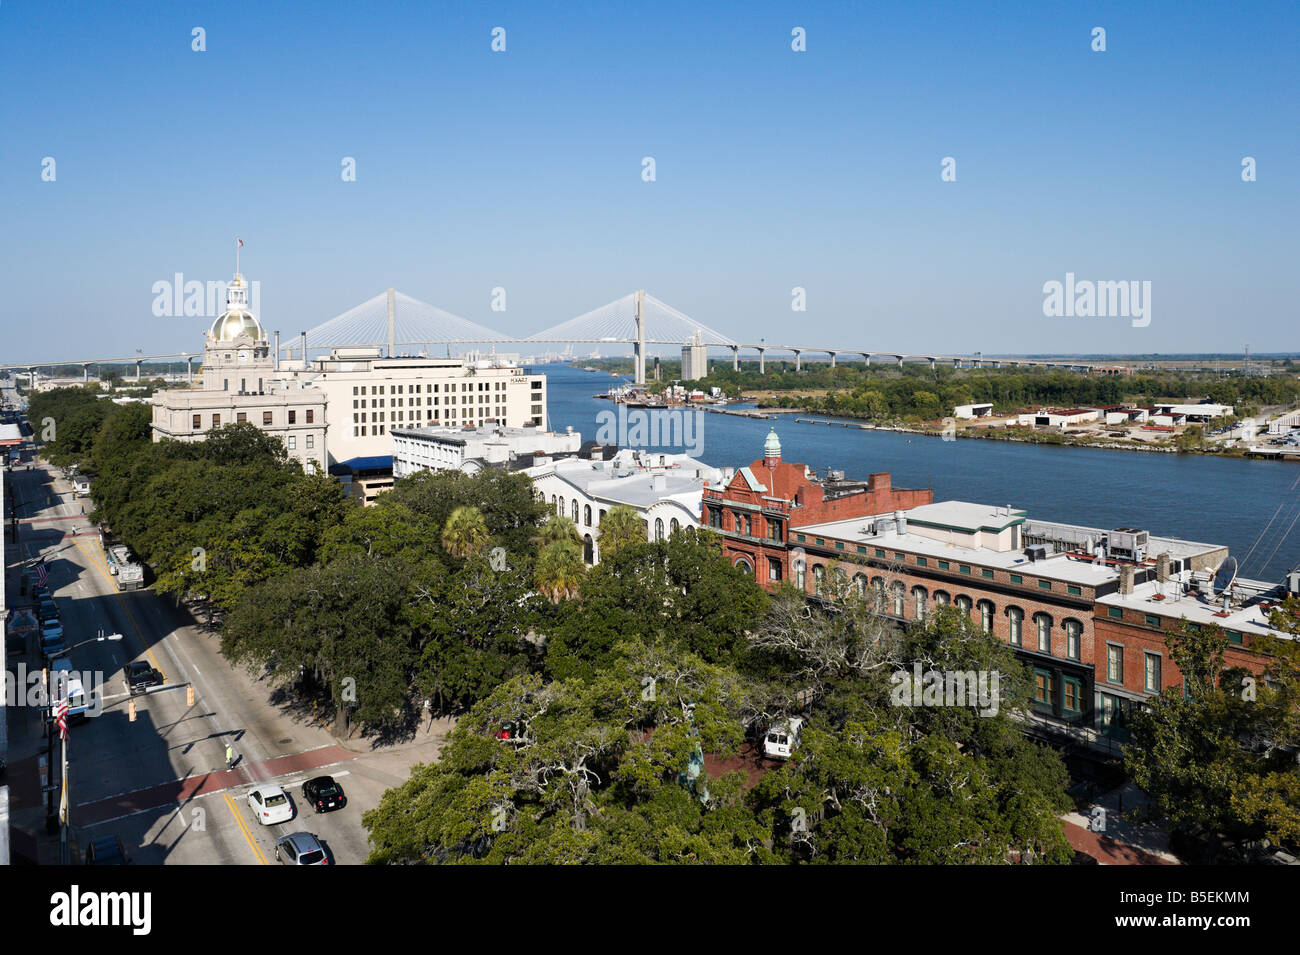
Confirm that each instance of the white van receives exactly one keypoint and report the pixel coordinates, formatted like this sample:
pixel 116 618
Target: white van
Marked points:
pixel 782 739
pixel 63 677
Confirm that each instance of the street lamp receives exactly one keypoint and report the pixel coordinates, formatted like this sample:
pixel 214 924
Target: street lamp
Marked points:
pixel 65 799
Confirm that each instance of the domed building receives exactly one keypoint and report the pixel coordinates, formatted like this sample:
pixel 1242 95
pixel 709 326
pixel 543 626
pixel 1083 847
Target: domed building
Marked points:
pixel 242 383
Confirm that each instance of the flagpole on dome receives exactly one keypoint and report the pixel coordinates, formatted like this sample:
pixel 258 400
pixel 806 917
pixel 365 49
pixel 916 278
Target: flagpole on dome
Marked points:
pixel 239 244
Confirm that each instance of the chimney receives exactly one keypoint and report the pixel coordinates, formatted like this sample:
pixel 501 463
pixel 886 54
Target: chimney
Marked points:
pixel 1162 567
pixel 900 520
pixel 276 361
pixel 303 339
pixel 1126 579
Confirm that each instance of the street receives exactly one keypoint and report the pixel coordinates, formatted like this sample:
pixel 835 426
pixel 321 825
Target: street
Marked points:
pixel 160 783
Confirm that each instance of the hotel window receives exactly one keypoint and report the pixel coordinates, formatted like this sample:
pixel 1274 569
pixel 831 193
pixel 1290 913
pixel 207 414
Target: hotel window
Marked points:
pixel 241 418
pixel 986 573
pixel 293 443
pixel 1074 591
pixel 941 598
pixel 919 597
pixel 266 417
pixel 773 568
pixel 964 605
pixel 575 510
pixel 311 441
pixel 1152 620
pixel 943 565
pixel 1044 585
pixel 659 528
pixel 1152 672
pixel 819 579
pixel 963 568
pixel 1114 663
pixel 293 417
pixel 899 597
pixel 1044 687
pixel 363 431
pixel 879 552
pixel 773 530
pixel 310 415
pixel 198 422
pixel 216 421
pixel 922 562
pixel 1115 613
pixel 800 574
pixel 1233 636
pixel 986 616
pixel 1015 622
pixel 1072 700
pixel 1044 624
pixel 1073 638
pixel 586 514
pixel 354 391
pixel 1017 579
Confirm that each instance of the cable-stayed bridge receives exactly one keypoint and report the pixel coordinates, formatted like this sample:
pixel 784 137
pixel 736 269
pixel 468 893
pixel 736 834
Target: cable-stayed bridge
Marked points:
pixel 392 319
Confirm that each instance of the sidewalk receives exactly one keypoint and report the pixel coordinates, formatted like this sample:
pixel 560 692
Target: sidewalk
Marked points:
pixel 1123 842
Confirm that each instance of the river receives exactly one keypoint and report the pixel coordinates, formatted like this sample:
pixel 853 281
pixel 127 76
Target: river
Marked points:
pixel 1198 497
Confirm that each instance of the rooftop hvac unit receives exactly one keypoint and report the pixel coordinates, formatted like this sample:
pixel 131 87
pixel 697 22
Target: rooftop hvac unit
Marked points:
pixel 1127 543
pixel 835 475
pixel 1036 552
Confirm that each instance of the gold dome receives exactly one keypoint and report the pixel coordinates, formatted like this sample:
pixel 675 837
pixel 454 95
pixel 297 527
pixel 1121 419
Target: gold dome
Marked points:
pixel 236 322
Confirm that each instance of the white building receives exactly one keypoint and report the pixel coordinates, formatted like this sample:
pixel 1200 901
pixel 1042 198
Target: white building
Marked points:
pixel 695 360
pixel 1195 413
pixel 471 449
pixel 665 490
pixel 982 410
pixel 368 396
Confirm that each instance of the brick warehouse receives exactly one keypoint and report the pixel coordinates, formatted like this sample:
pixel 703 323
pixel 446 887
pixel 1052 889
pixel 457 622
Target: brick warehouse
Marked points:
pixel 1089 623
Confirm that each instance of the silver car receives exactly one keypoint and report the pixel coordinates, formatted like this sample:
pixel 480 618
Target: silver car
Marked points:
pixel 301 848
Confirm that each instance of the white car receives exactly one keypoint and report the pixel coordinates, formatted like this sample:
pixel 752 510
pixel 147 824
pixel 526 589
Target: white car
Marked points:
pixel 270 804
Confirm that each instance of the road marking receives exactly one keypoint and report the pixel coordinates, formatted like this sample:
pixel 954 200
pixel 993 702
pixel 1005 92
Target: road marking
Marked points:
pixel 243 827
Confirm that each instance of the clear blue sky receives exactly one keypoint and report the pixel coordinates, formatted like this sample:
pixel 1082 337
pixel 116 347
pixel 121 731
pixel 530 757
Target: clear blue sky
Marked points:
pixel 775 169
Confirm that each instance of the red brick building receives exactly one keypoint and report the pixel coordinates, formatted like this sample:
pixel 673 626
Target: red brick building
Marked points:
pixel 757 510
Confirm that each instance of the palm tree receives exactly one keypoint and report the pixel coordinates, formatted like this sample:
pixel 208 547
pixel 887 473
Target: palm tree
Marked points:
pixel 560 570
pixel 465 532
pixel 557 529
pixel 620 527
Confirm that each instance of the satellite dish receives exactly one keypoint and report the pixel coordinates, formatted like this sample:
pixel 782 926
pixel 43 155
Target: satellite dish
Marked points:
pixel 1225 576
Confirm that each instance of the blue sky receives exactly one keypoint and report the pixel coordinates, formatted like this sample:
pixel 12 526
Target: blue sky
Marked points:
pixel 775 168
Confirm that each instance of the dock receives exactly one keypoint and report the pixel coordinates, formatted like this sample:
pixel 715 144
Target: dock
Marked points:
pixel 747 413
pixel 835 424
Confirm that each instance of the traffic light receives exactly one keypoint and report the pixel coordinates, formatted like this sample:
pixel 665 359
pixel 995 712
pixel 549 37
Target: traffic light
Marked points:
pixel 130 711
pixel 189 695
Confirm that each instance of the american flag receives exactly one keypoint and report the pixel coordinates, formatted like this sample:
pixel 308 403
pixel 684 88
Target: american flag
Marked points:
pixel 42 575
pixel 240 241
pixel 61 718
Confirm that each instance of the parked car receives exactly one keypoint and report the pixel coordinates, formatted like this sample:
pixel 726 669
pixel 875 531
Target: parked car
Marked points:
pixel 270 804
pixel 782 739
pixel 301 848
pixel 106 850
pixel 52 646
pixel 324 793
pixel 47 610
pixel 140 676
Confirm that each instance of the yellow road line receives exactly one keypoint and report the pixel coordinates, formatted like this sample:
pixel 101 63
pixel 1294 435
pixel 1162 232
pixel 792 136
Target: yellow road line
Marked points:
pixel 243 827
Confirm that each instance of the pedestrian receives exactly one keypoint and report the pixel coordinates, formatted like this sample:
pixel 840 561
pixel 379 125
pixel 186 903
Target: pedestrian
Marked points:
pixel 230 756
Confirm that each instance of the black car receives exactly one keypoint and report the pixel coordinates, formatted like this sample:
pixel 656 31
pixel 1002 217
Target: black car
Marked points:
pixel 48 610
pixel 106 850
pixel 324 793
pixel 140 676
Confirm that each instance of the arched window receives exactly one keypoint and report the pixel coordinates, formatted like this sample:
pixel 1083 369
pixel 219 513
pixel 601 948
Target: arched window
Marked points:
pixel 900 597
pixel 919 597
pixel 588 549
pixel 941 598
pixel 800 569
pixel 819 579
pixel 986 615
pixel 1073 638
pixel 659 528
pixel 745 565
pixel 1015 622
pixel 860 584
pixel 963 604
pixel 1044 625
pixel 673 527
pixel 560 509
pixel 586 514
pixel 575 510
pixel 552 500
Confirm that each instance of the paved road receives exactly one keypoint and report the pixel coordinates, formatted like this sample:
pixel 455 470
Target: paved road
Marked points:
pixel 161 782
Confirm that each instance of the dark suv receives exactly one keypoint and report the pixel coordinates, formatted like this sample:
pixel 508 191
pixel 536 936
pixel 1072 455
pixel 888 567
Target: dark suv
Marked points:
pixel 140 676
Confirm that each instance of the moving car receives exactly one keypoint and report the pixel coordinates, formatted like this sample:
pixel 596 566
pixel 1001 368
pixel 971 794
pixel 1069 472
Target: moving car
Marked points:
pixel 324 793
pixel 782 738
pixel 140 676
pixel 106 850
pixel 270 804
pixel 301 848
